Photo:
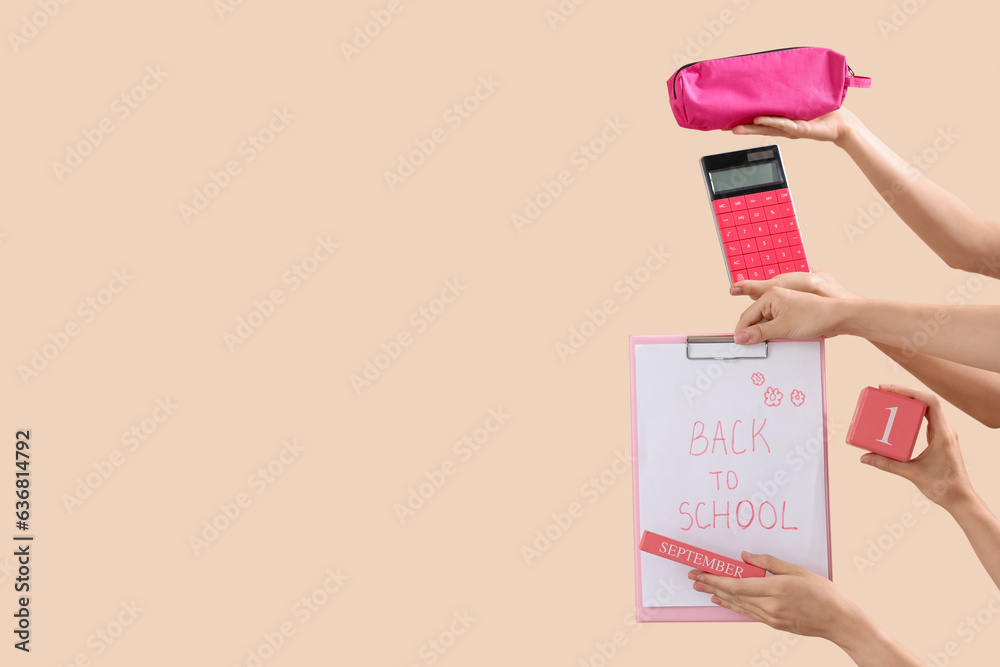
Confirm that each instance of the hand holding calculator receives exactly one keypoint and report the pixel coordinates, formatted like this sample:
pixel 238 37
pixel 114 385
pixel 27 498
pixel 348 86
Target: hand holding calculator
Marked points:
pixel 754 214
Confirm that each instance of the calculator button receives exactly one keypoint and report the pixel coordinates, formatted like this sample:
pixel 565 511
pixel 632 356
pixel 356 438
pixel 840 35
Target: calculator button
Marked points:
pixel 725 221
pixel 771 271
pixel 757 215
pixel 729 234
pixel 784 255
pixel 786 210
pixel 745 232
pixel 797 252
pixel 773 212
pixel 784 196
pixel 780 240
pixel 791 224
pixel 787 267
pixel 732 249
pixel 753 200
pixel 802 265
pixel 764 243
pixel 737 204
pixel 752 260
pixel 768 198
pixel 721 206
pixel 768 257
pixel 794 238
pixel 756 274
pixel 761 229
pixel 776 226
pixel 739 275
pixel 736 262
pixel 741 218
pixel 748 245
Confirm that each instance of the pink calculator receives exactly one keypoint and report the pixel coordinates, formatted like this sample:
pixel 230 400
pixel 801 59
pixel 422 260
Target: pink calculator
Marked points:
pixel 754 214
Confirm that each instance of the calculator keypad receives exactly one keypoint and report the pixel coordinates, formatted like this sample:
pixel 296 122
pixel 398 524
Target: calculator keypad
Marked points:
pixel 760 235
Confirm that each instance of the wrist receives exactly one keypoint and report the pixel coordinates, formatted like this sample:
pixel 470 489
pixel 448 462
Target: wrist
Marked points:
pixel 844 315
pixel 847 131
pixel 964 505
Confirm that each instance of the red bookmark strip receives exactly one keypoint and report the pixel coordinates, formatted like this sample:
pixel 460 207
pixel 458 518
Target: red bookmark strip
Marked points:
pixel 701 559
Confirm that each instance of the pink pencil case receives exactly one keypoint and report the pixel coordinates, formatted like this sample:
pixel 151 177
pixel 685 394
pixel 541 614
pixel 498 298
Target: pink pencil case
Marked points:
pixel 801 83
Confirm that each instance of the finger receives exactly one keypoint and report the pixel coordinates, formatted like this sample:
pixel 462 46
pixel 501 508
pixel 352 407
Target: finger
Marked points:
pixel 789 127
pixel 761 130
pixel 750 612
pixel 752 315
pixel 899 468
pixel 749 587
pixel 758 333
pixel 798 280
pixel 746 602
pixel 771 564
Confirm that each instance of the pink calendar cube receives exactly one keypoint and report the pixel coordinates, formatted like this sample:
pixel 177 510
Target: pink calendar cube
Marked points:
pixel 886 423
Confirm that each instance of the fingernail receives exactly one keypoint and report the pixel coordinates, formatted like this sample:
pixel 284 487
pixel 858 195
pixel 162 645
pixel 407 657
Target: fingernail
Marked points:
pixel 735 290
pixel 699 587
pixel 741 338
pixel 866 459
pixel 716 600
pixel 693 576
pixel 747 554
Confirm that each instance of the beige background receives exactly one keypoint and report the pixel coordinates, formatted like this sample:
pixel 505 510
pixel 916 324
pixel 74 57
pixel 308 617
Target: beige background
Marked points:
pixel 332 507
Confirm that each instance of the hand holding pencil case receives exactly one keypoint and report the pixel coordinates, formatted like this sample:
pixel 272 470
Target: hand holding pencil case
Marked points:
pixel 801 83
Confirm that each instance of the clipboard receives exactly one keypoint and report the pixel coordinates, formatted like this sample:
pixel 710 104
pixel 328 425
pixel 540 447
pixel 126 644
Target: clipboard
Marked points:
pixel 729 453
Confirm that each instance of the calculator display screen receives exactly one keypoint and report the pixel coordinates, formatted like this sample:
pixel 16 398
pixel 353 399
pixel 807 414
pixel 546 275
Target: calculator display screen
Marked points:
pixel 737 178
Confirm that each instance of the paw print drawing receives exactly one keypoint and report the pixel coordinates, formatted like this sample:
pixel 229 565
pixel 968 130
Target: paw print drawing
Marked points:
pixel 773 397
pixel 757 379
pixel 798 398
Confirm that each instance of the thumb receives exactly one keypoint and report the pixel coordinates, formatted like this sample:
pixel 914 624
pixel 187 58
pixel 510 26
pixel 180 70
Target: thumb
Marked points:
pixel 757 333
pixel 770 563
pixel 885 463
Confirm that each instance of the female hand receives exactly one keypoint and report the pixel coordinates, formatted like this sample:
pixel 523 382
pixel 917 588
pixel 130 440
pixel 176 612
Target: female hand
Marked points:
pixel 793 600
pixel 835 126
pixel 820 283
pixel 780 312
pixel 939 471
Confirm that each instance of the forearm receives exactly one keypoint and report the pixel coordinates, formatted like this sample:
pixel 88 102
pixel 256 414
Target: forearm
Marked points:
pixel 980 525
pixel 967 335
pixel 972 390
pixel 961 237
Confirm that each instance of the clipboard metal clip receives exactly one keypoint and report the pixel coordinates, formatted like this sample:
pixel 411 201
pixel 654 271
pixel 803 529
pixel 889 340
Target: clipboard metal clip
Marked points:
pixel 723 347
